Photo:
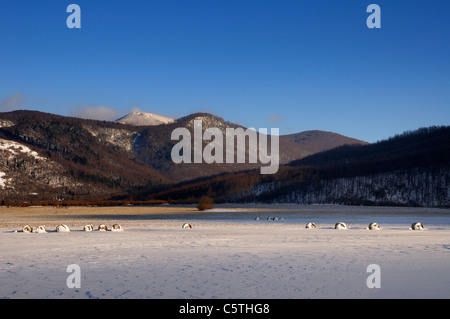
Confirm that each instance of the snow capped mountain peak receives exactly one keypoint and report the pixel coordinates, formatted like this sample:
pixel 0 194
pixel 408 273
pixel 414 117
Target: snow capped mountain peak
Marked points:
pixel 144 118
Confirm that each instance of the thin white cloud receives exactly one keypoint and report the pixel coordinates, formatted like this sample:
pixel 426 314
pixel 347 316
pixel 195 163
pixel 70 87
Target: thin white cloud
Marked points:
pixel 275 118
pixel 13 102
pixel 96 112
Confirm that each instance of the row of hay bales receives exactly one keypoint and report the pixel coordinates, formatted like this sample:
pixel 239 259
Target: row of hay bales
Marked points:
pixel 342 225
pixel 117 227
pixel 65 229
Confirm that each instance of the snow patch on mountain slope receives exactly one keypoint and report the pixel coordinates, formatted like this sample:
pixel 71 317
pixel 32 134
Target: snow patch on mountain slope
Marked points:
pixel 2 180
pixel 14 148
pixel 6 123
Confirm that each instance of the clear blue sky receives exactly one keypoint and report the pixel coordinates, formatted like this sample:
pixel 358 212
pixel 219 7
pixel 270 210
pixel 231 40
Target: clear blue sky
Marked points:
pixel 293 64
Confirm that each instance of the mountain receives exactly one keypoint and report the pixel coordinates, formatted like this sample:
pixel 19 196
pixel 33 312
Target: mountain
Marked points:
pixel 143 118
pixel 411 169
pixel 50 157
pixel 153 146
pixel 311 142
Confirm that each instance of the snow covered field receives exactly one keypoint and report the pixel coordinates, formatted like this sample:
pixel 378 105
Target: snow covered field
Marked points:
pixel 227 253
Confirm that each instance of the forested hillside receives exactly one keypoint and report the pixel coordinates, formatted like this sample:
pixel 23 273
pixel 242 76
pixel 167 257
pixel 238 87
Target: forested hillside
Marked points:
pixel 410 169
